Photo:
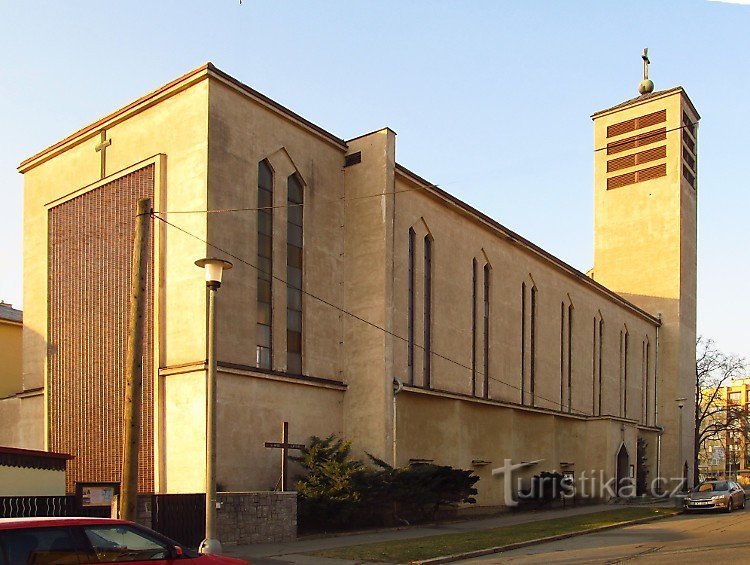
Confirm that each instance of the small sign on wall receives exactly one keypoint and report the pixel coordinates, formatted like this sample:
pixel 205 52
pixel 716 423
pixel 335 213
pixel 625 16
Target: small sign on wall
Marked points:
pixel 96 495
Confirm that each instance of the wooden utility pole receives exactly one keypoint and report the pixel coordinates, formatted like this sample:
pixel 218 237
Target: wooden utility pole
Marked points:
pixel 134 363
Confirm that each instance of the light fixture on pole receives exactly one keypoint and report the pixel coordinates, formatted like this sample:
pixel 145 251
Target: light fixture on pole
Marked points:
pixel 683 480
pixel 214 269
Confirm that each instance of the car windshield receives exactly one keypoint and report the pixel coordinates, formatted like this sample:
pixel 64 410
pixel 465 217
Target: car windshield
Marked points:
pixel 708 487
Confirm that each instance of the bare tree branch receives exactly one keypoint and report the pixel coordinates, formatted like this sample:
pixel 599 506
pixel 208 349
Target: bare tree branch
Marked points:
pixel 716 418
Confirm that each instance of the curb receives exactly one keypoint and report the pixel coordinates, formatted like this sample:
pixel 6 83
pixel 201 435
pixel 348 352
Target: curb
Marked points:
pixel 521 544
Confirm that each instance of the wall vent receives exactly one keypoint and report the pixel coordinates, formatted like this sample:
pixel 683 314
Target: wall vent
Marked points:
pixel 353 159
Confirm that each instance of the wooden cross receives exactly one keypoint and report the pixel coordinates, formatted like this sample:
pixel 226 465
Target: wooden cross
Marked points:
pixel 284 446
pixel 646 63
pixel 102 150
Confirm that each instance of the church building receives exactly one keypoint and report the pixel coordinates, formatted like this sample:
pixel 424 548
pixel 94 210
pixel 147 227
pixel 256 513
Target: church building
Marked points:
pixel 364 300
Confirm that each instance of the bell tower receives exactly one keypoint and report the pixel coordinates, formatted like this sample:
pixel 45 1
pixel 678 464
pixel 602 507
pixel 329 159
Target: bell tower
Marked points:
pixel 645 191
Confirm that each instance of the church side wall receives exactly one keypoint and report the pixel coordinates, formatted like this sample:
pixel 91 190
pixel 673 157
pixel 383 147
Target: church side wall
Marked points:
pixel 458 240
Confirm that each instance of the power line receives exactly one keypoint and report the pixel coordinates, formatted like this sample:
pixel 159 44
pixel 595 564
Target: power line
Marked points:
pixel 611 145
pixel 344 199
pixel 351 314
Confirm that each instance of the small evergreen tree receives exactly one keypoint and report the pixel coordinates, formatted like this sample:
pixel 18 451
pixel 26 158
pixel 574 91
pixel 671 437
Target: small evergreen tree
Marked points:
pixel 339 492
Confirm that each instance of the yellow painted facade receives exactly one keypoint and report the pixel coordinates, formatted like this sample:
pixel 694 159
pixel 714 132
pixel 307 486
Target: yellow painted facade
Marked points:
pixel 559 385
pixel 11 330
pixel 645 249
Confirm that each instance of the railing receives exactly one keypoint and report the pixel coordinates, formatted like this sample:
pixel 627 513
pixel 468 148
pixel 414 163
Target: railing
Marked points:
pixel 37 506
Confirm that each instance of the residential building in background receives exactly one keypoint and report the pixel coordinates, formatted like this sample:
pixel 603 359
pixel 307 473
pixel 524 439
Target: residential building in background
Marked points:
pixel 12 392
pixel 352 272
pixel 727 455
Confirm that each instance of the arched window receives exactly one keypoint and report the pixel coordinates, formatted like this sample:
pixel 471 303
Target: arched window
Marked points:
pixel 295 200
pixel 265 266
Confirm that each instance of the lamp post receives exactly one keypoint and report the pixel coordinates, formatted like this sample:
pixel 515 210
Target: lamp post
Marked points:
pixel 683 479
pixel 214 269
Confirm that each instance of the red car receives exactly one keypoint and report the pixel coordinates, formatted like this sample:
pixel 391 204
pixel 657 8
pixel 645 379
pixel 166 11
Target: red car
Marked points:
pixel 64 541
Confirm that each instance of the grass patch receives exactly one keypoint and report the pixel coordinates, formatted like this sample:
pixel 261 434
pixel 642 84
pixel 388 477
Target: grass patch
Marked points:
pixel 404 551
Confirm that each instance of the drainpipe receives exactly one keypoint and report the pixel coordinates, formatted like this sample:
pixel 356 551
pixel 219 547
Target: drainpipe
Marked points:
pixel 656 400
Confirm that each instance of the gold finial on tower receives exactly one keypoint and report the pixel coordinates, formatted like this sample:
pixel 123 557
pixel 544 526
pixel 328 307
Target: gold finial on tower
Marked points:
pixel 647 85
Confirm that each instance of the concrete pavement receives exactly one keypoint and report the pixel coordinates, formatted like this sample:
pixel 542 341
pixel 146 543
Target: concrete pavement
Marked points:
pixel 291 553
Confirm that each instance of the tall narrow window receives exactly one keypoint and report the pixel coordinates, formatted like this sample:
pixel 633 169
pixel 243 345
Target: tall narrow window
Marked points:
pixel 570 357
pixel 486 390
pixel 562 356
pixel 625 374
pixel 427 310
pixel 473 327
pixel 295 201
pixel 532 347
pixel 644 384
pixel 410 323
pixel 265 266
pixel 523 343
pixel 599 367
pixel 620 399
pixel 648 353
pixel 593 369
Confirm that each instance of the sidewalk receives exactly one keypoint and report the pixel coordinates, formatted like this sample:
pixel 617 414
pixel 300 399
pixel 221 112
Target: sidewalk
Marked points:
pixel 291 553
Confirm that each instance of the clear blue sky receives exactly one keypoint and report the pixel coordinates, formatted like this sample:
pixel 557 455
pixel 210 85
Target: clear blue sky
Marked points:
pixel 489 99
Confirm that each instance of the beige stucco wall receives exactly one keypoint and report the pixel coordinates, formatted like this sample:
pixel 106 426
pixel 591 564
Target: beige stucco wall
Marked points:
pixel 479 435
pixel 645 248
pixel 22 481
pixel 243 132
pixel 457 241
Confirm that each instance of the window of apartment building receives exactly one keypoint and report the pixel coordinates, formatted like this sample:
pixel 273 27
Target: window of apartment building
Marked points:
pixel 265 266
pixel 735 397
pixel 295 200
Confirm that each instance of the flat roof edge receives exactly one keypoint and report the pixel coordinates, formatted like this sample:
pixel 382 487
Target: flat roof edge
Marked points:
pixel 643 100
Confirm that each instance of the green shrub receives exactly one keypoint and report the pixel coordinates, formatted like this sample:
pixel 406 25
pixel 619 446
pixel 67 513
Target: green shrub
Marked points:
pixel 339 492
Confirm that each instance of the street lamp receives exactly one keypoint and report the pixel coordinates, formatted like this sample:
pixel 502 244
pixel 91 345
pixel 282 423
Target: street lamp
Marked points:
pixel 214 269
pixel 683 480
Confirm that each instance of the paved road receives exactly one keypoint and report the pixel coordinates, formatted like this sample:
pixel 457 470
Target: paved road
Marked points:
pixel 685 539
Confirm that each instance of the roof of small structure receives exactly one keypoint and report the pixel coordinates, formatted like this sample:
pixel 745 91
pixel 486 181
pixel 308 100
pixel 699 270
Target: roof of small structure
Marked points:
pixel 32 458
pixel 7 312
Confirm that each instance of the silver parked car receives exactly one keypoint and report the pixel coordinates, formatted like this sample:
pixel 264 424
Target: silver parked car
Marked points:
pixel 716 495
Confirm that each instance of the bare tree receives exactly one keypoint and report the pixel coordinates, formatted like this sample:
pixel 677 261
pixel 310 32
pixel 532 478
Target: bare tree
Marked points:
pixel 715 417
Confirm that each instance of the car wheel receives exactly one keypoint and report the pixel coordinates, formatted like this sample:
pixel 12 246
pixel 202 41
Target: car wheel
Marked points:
pixel 730 505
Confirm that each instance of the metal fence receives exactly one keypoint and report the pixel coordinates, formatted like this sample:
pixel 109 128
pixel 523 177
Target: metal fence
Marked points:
pixel 37 506
pixel 180 517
